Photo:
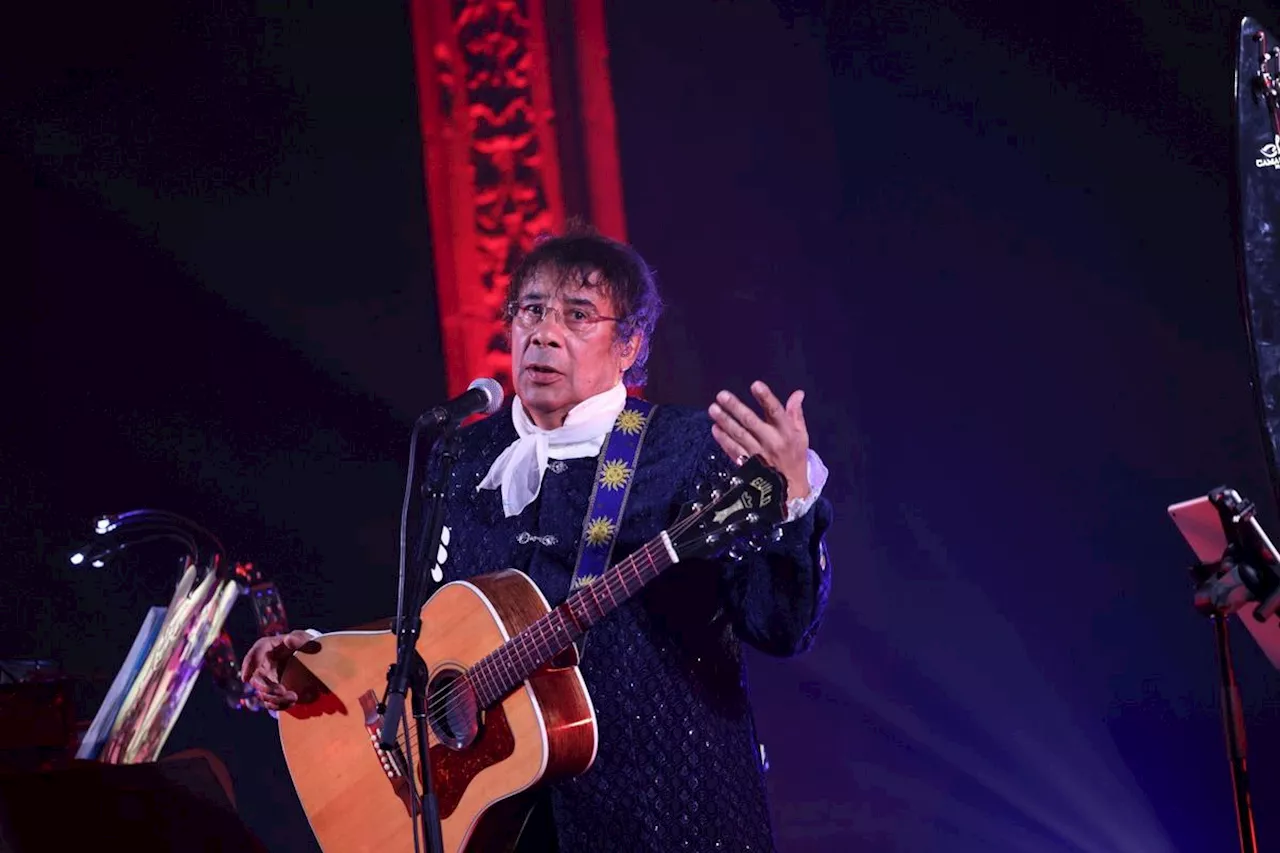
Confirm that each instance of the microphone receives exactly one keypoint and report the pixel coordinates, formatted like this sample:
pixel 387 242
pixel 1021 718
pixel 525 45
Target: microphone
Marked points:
pixel 483 396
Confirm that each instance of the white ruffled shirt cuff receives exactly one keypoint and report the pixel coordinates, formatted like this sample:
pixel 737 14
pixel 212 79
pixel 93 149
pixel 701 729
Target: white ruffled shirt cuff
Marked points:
pixel 817 473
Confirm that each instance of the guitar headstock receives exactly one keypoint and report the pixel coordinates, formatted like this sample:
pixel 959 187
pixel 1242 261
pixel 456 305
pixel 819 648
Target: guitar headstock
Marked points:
pixel 740 513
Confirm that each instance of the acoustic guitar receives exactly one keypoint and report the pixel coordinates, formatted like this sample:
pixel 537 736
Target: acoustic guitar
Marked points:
pixel 507 708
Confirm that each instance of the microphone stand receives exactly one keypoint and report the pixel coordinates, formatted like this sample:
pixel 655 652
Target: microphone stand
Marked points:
pixel 1246 572
pixel 409 672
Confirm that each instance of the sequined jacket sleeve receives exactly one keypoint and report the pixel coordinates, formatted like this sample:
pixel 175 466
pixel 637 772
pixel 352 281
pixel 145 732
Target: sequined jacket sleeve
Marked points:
pixel 776 597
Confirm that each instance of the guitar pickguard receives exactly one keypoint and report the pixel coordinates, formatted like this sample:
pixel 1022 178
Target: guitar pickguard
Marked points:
pixel 453 770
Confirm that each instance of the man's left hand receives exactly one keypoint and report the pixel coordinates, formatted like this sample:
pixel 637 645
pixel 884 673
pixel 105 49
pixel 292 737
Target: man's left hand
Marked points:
pixel 780 438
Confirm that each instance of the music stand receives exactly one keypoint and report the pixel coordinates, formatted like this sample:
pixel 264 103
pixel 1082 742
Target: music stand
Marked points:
pixel 1237 573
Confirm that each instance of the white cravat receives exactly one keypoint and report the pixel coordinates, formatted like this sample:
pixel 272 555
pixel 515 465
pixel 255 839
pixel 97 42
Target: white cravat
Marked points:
pixel 518 471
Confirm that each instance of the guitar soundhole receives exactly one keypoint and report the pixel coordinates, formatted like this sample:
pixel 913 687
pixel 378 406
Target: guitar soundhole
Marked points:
pixel 452 710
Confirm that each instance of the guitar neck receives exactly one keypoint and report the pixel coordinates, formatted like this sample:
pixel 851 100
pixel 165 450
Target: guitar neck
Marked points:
pixel 510 664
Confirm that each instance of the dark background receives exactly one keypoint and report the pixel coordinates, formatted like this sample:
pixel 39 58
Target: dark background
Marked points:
pixel 992 242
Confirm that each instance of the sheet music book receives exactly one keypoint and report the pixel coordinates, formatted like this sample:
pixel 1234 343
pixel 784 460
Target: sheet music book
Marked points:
pixel 98 731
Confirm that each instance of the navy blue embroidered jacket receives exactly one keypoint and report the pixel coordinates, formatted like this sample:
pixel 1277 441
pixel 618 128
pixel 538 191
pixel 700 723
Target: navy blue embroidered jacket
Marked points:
pixel 678 766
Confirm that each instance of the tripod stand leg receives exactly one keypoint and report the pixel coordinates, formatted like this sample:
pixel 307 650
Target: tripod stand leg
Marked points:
pixel 1233 723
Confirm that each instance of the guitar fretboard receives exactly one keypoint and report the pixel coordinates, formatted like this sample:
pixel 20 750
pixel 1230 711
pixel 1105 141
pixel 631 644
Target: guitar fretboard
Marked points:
pixel 505 668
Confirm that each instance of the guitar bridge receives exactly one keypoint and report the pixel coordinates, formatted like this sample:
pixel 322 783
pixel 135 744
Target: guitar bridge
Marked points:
pixel 392 760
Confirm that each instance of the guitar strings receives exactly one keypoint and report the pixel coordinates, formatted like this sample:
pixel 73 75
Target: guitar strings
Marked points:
pixel 450 699
pixel 453 697
pixel 544 630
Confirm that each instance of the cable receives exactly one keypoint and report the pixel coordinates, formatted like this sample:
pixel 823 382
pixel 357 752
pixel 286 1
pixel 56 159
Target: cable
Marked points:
pixel 415 811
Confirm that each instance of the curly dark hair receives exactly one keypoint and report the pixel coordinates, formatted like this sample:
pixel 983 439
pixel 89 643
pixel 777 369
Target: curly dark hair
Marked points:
pixel 574 257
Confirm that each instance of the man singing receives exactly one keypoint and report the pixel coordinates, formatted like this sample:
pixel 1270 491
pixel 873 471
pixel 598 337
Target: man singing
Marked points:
pixel 678 765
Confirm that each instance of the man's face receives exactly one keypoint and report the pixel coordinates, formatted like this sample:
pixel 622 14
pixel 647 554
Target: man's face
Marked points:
pixel 564 347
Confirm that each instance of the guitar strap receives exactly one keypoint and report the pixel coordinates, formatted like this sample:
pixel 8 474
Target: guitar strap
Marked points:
pixel 615 470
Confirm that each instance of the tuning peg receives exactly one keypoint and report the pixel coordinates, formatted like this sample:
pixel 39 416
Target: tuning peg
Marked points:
pixel 735 553
pixel 775 535
pixel 705 492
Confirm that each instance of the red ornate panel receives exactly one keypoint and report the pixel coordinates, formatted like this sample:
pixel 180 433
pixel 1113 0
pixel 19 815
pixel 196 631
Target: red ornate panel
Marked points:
pixel 490 152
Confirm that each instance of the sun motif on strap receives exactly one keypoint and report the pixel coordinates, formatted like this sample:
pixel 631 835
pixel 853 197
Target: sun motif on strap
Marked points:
pixel 629 422
pixel 599 531
pixel 583 580
pixel 615 474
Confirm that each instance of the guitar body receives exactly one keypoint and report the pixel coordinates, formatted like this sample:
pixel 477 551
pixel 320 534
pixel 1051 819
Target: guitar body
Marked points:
pixel 357 798
pixel 507 711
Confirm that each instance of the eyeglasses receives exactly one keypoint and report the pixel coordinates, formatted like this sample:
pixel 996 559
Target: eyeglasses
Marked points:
pixel 578 318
